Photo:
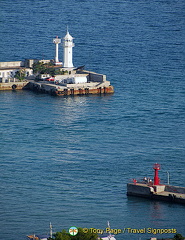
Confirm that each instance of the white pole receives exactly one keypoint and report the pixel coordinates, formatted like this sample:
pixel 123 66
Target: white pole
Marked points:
pixel 56 41
pixel 51 233
pixel 168 177
pixel 56 56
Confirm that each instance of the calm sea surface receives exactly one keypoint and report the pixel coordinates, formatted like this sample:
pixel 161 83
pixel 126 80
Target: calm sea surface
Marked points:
pixel 68 160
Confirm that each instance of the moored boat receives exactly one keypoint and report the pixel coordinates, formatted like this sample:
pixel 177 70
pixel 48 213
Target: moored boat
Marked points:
pixel 107 235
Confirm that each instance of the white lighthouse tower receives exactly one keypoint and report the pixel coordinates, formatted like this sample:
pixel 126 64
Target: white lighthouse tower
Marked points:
pixel 56 41
pixel 68 51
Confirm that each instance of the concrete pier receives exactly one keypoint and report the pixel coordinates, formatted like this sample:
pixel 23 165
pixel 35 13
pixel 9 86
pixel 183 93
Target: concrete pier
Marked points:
pixel 70 89
pixel 161 192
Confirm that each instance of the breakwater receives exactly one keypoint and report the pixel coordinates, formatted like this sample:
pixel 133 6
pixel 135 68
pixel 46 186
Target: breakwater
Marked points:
pixel 160 192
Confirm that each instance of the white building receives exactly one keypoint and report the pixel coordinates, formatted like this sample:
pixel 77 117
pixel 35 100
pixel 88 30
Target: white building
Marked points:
pixel 8 70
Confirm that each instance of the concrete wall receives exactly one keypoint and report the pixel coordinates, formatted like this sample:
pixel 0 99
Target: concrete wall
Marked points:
pixel 27 63
pixel 95 77
pixel 11 64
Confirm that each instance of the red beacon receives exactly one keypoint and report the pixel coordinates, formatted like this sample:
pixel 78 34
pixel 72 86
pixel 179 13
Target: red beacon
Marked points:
pixel 156 167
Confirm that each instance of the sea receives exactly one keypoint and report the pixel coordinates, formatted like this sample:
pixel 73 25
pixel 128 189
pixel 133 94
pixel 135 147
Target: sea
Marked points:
pixel 67 160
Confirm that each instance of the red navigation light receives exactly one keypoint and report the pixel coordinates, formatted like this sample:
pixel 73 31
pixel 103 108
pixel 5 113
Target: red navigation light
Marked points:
pixel 157 166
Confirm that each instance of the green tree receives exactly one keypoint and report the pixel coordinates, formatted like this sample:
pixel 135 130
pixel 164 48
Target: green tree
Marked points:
pixel 59 72
pixel 80 236
pixel 46 68
pixel 62 235
pixel 38 67
pixel 43 68
pixel 21 74
pixel 178 236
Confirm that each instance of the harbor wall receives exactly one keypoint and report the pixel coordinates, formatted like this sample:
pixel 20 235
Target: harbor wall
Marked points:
pixel 70 89
pixel 13 85
pixel 138 190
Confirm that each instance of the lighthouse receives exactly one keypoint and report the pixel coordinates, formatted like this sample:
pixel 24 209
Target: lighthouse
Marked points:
pixel 68 51
pixel 156 168
pixel 56 41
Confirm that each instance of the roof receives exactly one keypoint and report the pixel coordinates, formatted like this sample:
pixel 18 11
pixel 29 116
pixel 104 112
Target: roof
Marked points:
pixel 68 36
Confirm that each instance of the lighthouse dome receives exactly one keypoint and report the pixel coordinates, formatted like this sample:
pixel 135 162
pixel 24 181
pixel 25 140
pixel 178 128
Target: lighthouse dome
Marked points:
pixel 68 36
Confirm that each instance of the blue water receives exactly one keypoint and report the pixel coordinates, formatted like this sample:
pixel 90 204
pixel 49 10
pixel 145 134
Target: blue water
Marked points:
pixel 68 160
